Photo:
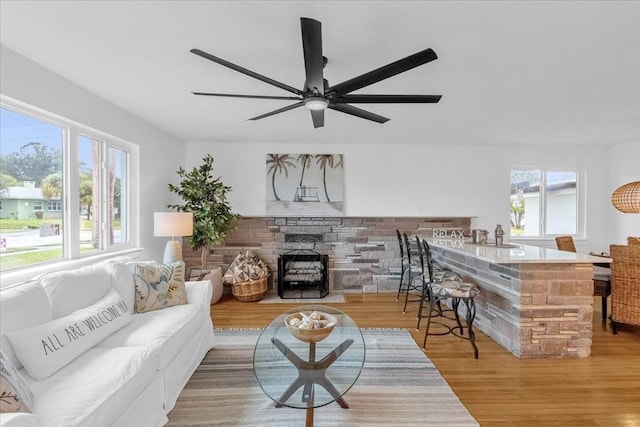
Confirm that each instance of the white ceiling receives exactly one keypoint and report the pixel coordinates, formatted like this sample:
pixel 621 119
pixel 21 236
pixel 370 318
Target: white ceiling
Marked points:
pixel 510 72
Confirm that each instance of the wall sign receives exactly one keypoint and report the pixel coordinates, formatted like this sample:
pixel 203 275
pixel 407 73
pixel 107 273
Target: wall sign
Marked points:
pixel 448 233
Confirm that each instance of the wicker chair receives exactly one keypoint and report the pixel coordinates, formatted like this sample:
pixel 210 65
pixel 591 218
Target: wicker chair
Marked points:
pixel 633 241
pixel 625 285
pixel 601 276
pixel 565 243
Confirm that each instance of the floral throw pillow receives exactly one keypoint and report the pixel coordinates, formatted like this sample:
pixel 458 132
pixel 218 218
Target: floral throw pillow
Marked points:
pixel 159 286
pixel 15 395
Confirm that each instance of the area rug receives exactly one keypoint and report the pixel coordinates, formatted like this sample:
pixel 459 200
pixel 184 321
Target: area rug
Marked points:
pixel 274 298
pixel 398 386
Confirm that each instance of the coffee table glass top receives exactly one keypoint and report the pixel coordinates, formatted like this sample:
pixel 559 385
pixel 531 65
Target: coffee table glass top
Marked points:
pixel 303 374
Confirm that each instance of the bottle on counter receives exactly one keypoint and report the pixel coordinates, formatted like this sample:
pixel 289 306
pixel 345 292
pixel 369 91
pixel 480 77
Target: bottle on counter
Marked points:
pixel 499 233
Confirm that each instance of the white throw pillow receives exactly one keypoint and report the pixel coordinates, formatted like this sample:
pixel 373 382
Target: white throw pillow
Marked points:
pixel 21 306
pixel 45 348
pixel 122 281
pixel 15 395
pixel 72 290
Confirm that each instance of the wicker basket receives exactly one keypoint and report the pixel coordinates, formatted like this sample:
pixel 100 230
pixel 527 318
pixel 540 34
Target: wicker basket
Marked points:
pixel 252 290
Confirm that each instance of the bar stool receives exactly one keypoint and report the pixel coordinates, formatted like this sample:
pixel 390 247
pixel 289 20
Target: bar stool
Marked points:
pixel 413 272
pixel 431 273
pixel 405 266
pixel 455 291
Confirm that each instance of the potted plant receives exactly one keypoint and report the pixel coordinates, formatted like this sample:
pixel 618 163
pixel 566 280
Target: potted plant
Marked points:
pixel 206 197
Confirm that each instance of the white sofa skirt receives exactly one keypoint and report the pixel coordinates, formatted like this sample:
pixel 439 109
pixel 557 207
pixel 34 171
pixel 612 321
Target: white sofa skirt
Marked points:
pixel 184 365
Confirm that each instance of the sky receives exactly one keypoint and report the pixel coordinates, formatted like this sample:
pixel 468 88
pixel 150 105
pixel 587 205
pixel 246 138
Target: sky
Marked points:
pixel 17 129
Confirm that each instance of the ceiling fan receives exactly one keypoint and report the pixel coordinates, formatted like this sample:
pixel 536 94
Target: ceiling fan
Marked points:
pixel 317 95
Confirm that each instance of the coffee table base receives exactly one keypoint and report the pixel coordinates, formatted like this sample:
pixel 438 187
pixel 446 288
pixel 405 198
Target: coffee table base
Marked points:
pixel 310 373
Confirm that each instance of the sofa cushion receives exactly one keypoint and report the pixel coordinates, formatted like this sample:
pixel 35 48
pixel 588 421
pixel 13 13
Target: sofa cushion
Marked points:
pixel 72 290
pixel 21 306
pixel 159 286
pixel 166 331
pixel 122 281
pixel 43 349
pixel 15 395
pixel 95 388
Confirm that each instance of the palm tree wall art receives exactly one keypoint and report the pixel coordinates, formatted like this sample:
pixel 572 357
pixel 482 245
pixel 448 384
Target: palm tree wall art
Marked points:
pixel 305 184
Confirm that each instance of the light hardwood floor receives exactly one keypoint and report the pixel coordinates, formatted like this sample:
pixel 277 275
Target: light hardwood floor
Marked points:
pixel 499 389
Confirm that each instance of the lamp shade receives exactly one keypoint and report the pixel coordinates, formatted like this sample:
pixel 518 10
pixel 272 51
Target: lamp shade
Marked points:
pixel 172 224
pixel 626 198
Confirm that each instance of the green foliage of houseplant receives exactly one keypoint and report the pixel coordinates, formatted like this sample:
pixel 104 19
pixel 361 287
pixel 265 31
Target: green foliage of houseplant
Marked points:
pixel 206 197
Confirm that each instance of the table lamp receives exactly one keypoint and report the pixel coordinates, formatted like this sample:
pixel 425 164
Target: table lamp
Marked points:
pixel 172 224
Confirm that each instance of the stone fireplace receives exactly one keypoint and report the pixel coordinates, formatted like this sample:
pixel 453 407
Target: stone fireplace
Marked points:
pixel 362 252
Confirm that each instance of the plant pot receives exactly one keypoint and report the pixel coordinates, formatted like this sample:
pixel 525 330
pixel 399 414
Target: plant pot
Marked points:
pixel 215 276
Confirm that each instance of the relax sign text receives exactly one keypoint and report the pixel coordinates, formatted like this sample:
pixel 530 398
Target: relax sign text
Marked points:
pixel 448 233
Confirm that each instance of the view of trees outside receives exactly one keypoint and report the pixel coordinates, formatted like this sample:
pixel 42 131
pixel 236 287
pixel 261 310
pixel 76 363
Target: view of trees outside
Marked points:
pixel 543 203
pixel 31 191
pixel 31 185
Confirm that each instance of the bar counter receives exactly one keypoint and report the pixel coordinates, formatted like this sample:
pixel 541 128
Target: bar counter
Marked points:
pixel 535 302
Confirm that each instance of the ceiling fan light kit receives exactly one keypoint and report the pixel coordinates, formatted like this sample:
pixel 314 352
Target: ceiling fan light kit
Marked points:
pixel 317 95
pixel 316 103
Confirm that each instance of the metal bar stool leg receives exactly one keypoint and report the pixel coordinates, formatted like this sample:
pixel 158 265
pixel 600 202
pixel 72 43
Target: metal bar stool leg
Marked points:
pixel 426 334
pixel 471 315
pixel 403 270
pixel 455 302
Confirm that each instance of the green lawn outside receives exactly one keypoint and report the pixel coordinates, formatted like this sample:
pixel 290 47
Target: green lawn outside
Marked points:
pixel 23 257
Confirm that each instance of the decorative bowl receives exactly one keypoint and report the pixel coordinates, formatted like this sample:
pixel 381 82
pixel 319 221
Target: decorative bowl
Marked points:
pixel 310 326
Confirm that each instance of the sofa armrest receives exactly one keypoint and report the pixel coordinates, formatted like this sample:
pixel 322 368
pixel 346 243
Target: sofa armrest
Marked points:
pixel 19 419
pixel 199 292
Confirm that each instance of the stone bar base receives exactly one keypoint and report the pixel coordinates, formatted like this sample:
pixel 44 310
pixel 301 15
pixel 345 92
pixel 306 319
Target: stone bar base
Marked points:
pixel 534 310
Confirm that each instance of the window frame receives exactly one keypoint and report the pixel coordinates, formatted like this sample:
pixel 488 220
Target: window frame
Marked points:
pixel 580 217
pixel 56 204
pixel 70 188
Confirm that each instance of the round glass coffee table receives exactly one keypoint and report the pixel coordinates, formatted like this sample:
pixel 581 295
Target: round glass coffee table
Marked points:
pixel 301 373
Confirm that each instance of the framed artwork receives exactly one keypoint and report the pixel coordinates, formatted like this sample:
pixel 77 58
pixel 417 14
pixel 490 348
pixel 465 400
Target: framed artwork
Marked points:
pixel 305 184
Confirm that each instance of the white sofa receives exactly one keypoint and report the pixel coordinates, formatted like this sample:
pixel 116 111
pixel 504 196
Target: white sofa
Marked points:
pixel 130 378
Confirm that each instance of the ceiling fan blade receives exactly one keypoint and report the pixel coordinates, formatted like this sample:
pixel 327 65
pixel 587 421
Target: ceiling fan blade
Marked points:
pixel 280 110
pixel 388 99
pixel 245 71
pixel 312 49
pixel 389 70
pixel 354 111
pixel 318 118
pixel 230 95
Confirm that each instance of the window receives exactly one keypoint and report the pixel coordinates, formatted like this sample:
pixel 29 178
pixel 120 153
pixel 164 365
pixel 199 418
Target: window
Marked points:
pixel 54 206
pixel 44 159
pixel 544 202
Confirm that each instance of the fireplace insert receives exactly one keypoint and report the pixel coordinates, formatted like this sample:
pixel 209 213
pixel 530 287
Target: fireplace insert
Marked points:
pixel 303 273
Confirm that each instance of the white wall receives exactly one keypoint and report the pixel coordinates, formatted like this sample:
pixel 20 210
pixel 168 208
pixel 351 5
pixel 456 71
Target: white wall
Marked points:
pixel 160 154
pixel 380 180
pixel 624 167
pixel 408 180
